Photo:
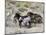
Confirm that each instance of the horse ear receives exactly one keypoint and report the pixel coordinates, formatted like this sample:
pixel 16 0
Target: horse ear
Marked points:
pixel 17 14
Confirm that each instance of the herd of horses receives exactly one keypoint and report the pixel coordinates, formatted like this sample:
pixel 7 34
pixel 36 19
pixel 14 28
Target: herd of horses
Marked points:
pixel 28 19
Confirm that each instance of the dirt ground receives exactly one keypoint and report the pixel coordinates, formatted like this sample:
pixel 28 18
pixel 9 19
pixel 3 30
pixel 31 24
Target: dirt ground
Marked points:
pixel 35 28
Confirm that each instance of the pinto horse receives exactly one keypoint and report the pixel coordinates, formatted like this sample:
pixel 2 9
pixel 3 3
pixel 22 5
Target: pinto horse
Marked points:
pixel 23 20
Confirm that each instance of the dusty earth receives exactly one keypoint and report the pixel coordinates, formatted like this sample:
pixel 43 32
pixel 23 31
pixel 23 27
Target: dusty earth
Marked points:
pixel 35 28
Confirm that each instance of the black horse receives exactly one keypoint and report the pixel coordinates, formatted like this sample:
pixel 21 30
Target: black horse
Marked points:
pixel 35 18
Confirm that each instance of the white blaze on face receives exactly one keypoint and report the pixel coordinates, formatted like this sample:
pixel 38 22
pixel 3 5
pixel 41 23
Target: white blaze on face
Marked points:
pixel 20 18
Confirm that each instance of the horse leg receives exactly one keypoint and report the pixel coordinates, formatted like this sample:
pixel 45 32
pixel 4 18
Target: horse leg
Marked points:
pixel 20 23
pixel 29 26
